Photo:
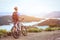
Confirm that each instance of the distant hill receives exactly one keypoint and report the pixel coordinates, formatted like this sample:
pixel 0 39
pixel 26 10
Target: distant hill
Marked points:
pixel 55 14
pixel 4 20
pixel 50 22
pixel 29 18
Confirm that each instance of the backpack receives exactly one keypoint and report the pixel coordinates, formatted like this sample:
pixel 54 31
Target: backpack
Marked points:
pixel 15 16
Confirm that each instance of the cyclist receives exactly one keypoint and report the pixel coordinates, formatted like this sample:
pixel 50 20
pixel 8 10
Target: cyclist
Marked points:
pixel 16 18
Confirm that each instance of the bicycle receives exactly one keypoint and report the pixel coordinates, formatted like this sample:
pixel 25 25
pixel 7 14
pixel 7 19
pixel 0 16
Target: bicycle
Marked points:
pixel 17 32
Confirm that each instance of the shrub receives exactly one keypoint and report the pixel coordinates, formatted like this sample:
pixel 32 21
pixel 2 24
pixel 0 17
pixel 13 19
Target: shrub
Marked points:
pixel 58 28
pixel 40 30
pixel 34 30
pixel 3 33
pixel 53 29
pixel 9 33
pixel 50 29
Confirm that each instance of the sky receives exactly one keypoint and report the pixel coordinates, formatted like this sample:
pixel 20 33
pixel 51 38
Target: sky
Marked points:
pixel 36 8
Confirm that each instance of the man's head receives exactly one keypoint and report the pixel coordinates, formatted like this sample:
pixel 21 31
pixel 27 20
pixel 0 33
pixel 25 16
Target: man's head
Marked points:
pixel 16 8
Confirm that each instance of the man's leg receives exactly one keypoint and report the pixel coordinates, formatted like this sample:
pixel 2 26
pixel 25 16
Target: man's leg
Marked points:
pixel 18 26
pixel 15 26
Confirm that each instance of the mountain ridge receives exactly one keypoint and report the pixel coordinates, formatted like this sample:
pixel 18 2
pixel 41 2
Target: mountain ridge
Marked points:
pixel 55 14
pixel 5 20
pixel 50 22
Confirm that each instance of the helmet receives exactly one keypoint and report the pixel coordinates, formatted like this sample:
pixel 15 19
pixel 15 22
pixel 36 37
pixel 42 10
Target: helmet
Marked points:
pixel 16 8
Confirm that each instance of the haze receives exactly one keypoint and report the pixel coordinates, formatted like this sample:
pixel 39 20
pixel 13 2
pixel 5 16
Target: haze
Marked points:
pixel 36 8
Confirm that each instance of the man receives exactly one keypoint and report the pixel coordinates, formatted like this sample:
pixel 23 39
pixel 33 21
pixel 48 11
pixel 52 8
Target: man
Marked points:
pixel 16 19
pixel 15 16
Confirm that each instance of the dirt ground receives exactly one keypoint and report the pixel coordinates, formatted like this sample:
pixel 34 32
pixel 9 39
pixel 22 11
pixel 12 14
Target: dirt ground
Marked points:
pixel 53 35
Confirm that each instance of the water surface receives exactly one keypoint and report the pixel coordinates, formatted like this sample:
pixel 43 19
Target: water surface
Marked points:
pixel 9 27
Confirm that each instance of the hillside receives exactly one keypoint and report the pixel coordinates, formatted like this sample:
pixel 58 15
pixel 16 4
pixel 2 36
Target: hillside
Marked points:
pixel 4 20
pixel 29 18
pixel 50 22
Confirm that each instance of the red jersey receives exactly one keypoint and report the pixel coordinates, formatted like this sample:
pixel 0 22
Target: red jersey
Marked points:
pixel 15 16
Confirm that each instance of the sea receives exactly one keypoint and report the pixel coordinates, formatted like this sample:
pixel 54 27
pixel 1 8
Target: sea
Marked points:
pixel 9 27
